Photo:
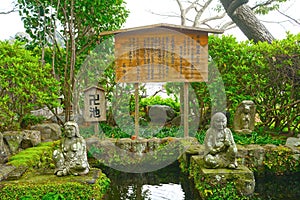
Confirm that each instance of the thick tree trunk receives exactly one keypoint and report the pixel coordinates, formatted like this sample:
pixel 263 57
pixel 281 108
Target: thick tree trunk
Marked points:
pixel 244 18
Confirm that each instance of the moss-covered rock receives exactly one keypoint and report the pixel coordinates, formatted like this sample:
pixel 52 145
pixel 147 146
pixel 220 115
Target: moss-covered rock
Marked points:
pixel 223 183
pixel 35 185
pixel 280 160
pixel 35 157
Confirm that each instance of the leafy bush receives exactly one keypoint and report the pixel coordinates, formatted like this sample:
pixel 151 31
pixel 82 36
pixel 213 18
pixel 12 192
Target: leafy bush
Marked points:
pixel 29 120
pixel 158 100
pixel 268 74
pixel 25 84
pixel 257 138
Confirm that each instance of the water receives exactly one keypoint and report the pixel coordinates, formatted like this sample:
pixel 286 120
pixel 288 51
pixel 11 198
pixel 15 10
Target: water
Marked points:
pixel 284 187
pixel 164 184
pixel 170 183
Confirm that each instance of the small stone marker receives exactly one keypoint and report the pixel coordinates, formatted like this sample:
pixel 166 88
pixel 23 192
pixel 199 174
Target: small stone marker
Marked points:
pixel 94 104
pixel 244 118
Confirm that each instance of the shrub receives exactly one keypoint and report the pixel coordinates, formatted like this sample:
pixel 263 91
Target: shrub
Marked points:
pixel 25 84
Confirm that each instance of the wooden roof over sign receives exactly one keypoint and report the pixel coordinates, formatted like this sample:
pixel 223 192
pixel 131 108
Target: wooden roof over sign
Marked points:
pixel 163 25
pixel 161 53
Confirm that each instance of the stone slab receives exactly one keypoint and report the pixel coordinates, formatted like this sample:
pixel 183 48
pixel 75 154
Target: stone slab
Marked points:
pixel 5 170
pixel 16 173
pixel 43 177
pixel 242 176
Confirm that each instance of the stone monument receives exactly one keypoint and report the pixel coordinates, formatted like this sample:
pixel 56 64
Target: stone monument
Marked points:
pixel 220 149
pixel 218 165
pixel 71 157
pixel 244 118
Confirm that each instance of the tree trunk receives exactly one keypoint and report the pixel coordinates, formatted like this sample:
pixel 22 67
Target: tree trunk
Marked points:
pixel 244 18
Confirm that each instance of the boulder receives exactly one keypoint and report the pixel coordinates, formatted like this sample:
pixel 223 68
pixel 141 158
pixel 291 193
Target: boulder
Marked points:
pixel 293 142
pixel 17 140
pixel 161 114
pixel 49 131
pixel 13 140
pixel 4 151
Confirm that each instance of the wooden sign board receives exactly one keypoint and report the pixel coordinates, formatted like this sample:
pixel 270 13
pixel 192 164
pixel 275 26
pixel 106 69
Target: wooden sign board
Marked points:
pixel 161 53
pixel 94 104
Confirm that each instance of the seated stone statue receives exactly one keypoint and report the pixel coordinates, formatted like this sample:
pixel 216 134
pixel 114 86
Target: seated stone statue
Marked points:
pixel 71 158
pixel 220 148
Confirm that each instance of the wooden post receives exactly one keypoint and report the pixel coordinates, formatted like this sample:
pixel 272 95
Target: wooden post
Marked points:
pixel 136 115
pixel 186 109
pixel 96 129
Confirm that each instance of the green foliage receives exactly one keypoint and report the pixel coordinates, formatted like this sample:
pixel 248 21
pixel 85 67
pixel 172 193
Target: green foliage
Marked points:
pixel 67 32
pixel 267 74
pixel 220 191
pixel 256 138
pixel 29 120
pixel 281 161
pixel 200 135
pixel 158 100
pixel 105 130
pixel 116 132
pixel 169 132
pixel 24 84
pixel 265 6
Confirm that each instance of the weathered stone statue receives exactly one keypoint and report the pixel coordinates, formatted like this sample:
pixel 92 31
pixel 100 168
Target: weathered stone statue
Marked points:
pixel 71 158
pixel 220 149
pixel 244 118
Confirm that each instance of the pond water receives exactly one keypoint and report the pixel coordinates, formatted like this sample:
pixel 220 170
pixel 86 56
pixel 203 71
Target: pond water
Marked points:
pixel 165 184
pixel 171 184
pixel 284 187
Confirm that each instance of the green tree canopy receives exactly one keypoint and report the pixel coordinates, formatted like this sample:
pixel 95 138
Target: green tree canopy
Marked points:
pixel 70 29
pixel 24 84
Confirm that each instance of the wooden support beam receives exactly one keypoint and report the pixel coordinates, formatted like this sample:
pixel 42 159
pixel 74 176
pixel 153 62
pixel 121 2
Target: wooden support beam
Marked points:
pixel 186 109
pixel 136 115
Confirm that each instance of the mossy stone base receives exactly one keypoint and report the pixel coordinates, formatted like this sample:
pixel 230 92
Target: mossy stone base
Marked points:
pixel 242 178
pixel 36 185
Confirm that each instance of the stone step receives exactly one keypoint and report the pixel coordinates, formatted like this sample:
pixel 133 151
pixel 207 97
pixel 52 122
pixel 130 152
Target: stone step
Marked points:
pixel 5 170
pixel 16 173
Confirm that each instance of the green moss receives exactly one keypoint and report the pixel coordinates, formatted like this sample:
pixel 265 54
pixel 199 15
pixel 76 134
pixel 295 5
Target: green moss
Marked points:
pixel 36 186
pixel 35 157
pixel 280 160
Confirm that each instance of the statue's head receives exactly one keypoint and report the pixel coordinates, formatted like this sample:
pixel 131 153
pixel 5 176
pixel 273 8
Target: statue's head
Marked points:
pixel 74 125
pixel 219 121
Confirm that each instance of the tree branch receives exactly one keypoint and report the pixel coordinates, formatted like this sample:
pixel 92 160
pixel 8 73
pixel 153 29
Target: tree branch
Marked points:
pixel 8 12
pixel 262 4
pixel 200 12
pixel 213 18
pixel 297 22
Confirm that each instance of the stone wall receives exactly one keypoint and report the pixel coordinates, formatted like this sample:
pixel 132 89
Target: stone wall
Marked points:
pixel 258 158
pixel 237 183
pixel 11 142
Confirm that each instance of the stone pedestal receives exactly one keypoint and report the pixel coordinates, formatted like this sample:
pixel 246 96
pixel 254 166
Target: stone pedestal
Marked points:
pixel 42 184
pixel 242 178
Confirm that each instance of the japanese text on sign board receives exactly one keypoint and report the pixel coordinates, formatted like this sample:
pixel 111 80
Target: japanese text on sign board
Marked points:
pixel 161 58
pixel 94 105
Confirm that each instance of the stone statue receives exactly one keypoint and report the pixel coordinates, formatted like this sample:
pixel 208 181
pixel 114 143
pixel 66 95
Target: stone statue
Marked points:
pixel 71 158
pixel 244 118
pixel 220 149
